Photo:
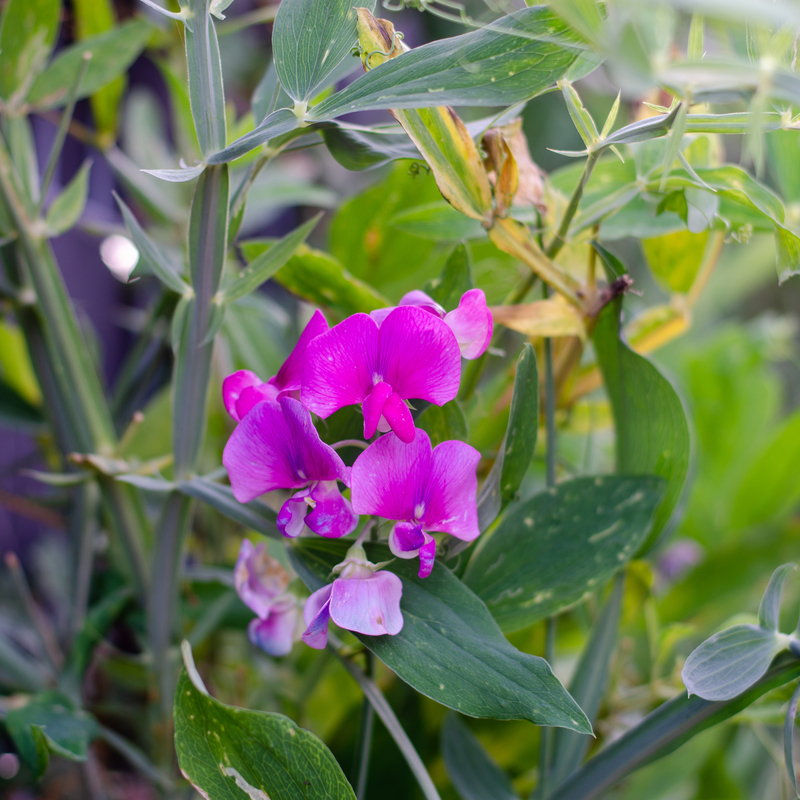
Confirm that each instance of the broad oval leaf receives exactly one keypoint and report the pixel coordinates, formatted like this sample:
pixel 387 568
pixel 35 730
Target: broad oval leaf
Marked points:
pixel 471 769
pixel 731 661
pixel 549 552
pixel 506 62
pixel 310 39
pixel 112 53
pixel 450 649
pixel 229 753
pixel 769 611
pixel 651 427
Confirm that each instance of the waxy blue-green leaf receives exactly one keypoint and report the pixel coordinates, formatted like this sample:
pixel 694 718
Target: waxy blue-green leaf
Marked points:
pixel 26 40
pixel 470 768
pixel 506 62
pixel 112 53
pixel 651 428
pixel 769 611
pixel 310 39
pixel 67 208
pixel 278 123
pixel 450 649
pixel 268 95
pixel 50 723
pixel 229 753
pixel 518 445
pixel 551 551
pixel 731 661
pixel 264 266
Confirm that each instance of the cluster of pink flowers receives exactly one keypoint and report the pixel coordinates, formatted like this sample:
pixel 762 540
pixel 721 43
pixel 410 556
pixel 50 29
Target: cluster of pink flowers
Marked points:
pixel 378 362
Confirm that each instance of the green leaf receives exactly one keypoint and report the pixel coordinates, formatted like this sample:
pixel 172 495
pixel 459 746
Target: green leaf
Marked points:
pixel 206 94
pixel 309 40
pixel 787 245
pixel 675 259
pixel 264 266
pixel 454 280
pixel 268 95
pixel 588 684
pixel 651 428
pixel 50 723
pixel 450 649
pixel 550 552
pixel 504 63
pixel 26 40
pixel 253 515
pixel 229 753
pixel 151 257
pixel 439 222
pixel 788 737
pixel 771 486
pixel 662 732
pixel 731 661
pixel 359 149
pixel 278 123
pixel 67 208
pixel 471 769
pixel 112 53
pixel 443 423
pixel 769 611
pixel 519 442
pixel 15 410
pixel 320 279
pixel 581 118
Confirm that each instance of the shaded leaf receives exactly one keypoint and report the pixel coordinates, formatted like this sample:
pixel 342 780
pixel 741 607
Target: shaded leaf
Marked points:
pixel 268 95
pixel 454 280
pixel 67 208
pixel 450 649
pixel 15 410
pixel 356 149
pixel 551 551
pixel 443 423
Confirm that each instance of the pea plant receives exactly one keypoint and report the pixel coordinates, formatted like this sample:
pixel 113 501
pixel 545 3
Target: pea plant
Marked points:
pixel 403 472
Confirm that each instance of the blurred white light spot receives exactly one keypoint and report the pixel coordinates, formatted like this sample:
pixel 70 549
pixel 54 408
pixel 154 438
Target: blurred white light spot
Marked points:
pixel 9 766
pixel 120 255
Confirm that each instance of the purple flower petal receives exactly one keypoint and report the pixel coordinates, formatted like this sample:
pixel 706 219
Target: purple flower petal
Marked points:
pixel 276 446
pixel 316 614
pixel 415 298
pixel 427 556
pixel 368 605
pixel 332 515
pixel 253 395
pixel 292 516
pixel 406 539
pixel 452 486
pixel 472 324
pixel 390 478
pixel 232 388
pixel 398 415
pixel 372 408
pixel 275 634
pixel 289 376
pixel 258 578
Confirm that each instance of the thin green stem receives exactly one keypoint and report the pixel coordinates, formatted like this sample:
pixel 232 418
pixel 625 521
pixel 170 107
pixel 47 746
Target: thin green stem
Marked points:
pixel 364 746
pixel 136 758
pixel 85 529
pixel 63 127
pixel 546 741
pixel 549 407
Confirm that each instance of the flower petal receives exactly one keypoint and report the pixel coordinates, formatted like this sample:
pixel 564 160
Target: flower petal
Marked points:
pixel 398 415
pixel 258 578
pixel 406 539
pixel 390 478
pixel 332 516
pixel 292 516
pixel 234 385
pixel 339 366
pixel 419 356
pixel 251 396
pixel 368 605
pixel 427 555
pixel 421 300
pixel 276 633
pixel 472 324
pixel 372 407
pixel 276 446
pixel 290 375
pixel 316 614
pixel 451 498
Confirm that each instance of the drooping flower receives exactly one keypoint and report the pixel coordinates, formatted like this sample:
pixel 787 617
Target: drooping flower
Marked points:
pixel 361 599
pixel 261 583
pixel 412 355
pixel 424 490
pixel 244 389
pixel 276 446
pixel 471 323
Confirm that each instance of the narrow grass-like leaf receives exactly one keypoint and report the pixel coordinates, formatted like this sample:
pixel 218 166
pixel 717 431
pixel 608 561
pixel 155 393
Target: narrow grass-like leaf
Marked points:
pixel 696 44
pixel 551 551
pixel 450 649
pixel 581 118
pixel 264 266
pixel 182 175
pixel 254 754
pixel 471 769
pixel 769 611
pixel 67 208
pixel 278 123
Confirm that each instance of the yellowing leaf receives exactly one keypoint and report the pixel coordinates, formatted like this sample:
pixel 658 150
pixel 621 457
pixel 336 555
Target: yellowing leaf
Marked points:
pixel 553 317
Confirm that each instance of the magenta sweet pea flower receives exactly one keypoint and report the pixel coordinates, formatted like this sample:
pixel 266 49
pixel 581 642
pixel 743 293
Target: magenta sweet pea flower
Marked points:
pixel 244 389
pixel 424 490
pixel 261 583
pixel 471 323
pixel 276 446
pixel 412 355
pixel 361 599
